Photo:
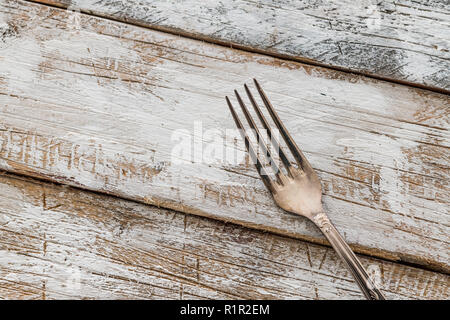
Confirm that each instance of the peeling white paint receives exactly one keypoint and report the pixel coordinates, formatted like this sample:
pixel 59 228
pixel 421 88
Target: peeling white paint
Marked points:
pixel 402 40
pixel 83 123
pixel 71 252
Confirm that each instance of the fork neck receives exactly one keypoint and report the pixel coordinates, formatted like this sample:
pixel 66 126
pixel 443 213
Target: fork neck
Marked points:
pixel 366 284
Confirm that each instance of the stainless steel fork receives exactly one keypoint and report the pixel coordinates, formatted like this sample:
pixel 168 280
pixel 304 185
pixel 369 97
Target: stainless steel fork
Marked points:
pixel 298 190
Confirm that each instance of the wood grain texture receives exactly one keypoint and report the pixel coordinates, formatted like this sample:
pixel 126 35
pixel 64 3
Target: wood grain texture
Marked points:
pixel 60 243
pixel 400 40
pixel 96 107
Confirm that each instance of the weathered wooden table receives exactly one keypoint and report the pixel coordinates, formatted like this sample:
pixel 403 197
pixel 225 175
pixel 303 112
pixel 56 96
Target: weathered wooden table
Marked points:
pixel 93 205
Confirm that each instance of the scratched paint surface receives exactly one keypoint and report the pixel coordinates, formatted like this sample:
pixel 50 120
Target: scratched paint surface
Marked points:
pixel 117 249
pixel 96 107
pixel 402 40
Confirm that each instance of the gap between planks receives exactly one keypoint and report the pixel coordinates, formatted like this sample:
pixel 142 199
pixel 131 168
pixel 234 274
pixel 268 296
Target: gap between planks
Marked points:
pixel 38 179
pixel 64 4
pixel 28 138
pixel 114 249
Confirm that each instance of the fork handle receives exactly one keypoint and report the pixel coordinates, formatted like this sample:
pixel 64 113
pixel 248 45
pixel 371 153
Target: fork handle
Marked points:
pixel 369 289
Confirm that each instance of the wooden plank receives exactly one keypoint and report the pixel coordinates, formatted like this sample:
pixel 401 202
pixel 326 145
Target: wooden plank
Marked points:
pixel 97 107
pixel 407 41
pixel 59 242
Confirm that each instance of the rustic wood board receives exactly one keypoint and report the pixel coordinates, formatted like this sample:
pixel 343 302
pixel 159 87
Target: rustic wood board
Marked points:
pixel 96 107
pixel 59 243
pixel 400 40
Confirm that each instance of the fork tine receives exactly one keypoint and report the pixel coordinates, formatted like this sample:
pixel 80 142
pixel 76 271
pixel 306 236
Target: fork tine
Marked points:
pixel 275 142
pixel 252 124
pixel 298 155
pixel 262 172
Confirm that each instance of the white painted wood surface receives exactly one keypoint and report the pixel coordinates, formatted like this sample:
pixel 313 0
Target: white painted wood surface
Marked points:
pixel 93 103
pixel 63 243
pixel 401 40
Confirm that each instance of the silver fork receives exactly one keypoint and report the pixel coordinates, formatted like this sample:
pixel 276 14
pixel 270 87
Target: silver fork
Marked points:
pixel 298 190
